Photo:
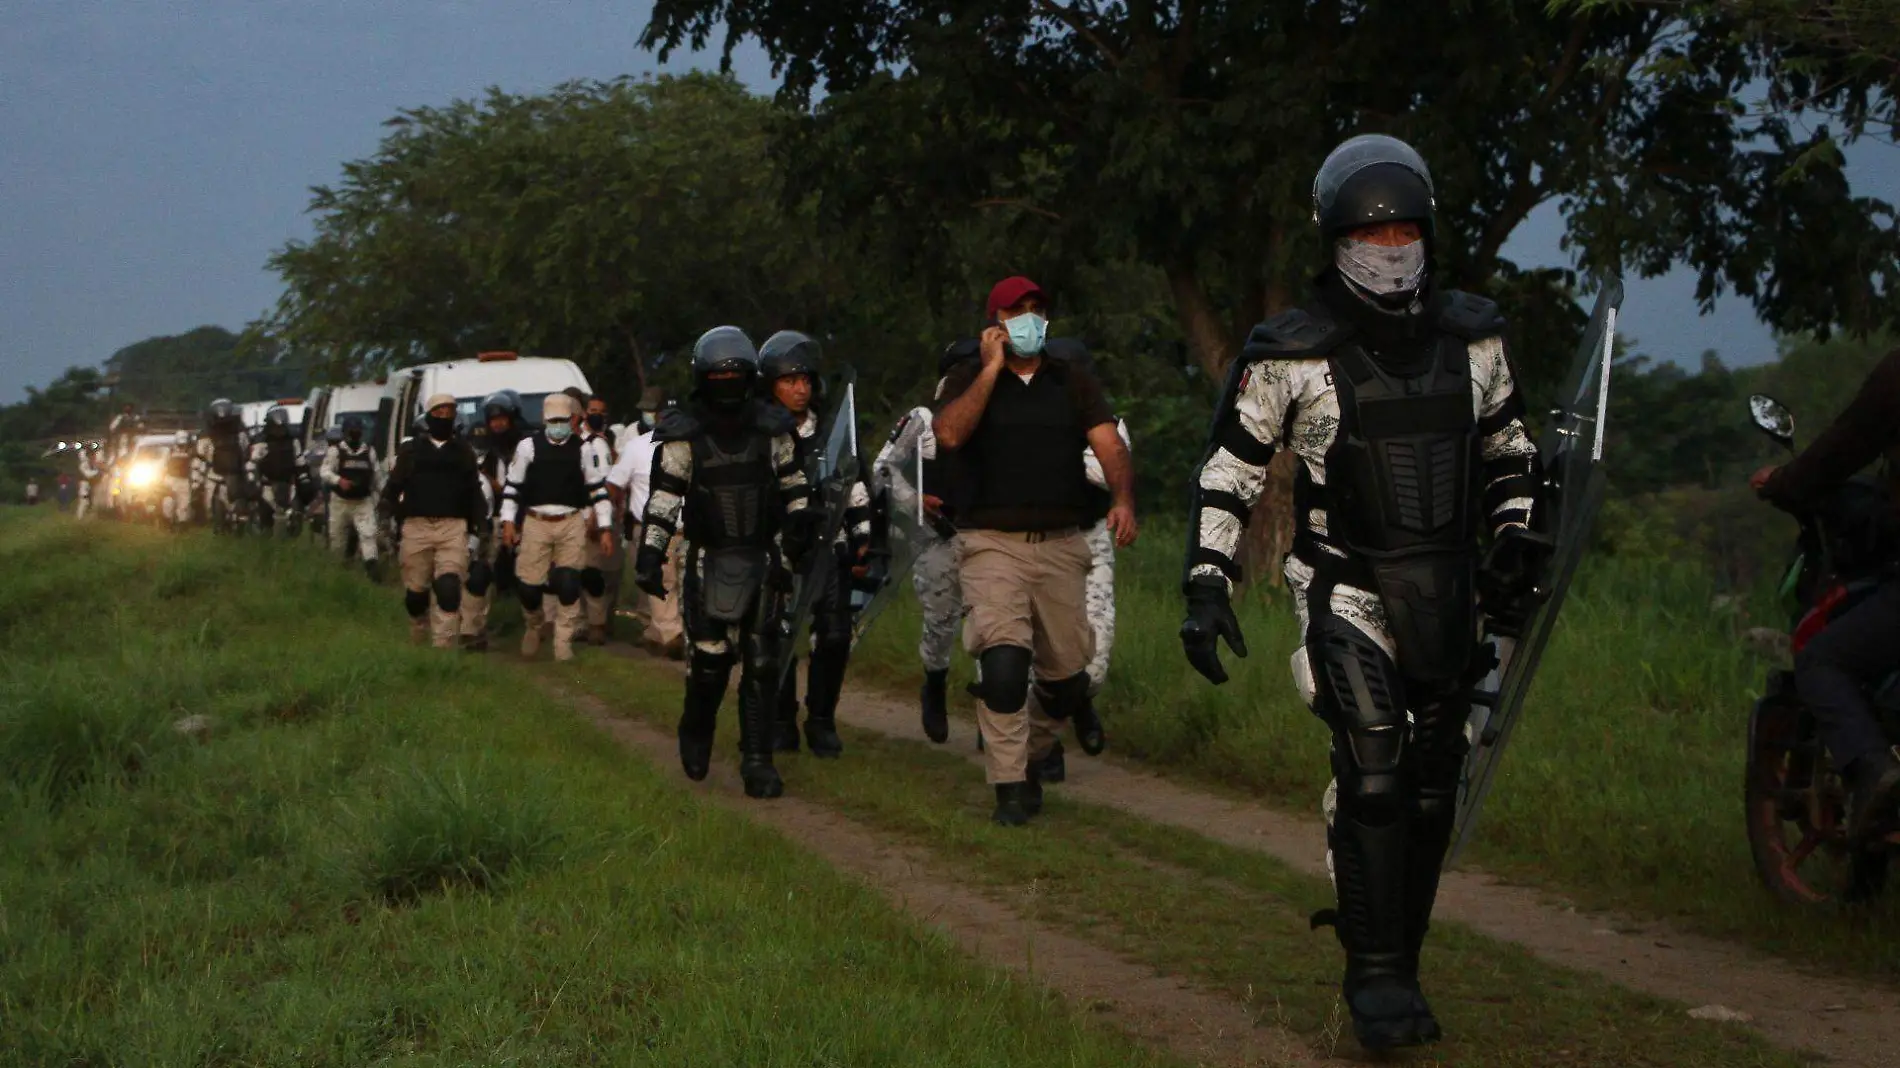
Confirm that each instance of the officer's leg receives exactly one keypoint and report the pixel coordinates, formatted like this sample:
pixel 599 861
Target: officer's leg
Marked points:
pixel 593 580
pixel 570 555
pixel 418 571
pixel 1437 761
pixel 342 515
pixel 830 655
pixel 475 598
pixel 785 711
pixel 759 647
pixel 934 578
pixel 449 572
pixel 996 573
pixel 709 660
pixel 1362 697
pixel 368 542
pixel 533 561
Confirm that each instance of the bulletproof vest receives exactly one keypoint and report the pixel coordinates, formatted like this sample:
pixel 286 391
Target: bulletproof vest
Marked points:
pixel 1404 494
pixel 555 475
pixel 734 497
pixel 1027 451
pixel 441 478
pixel 279 463
pixel 359 466
pixel 227 452
pixel 178 464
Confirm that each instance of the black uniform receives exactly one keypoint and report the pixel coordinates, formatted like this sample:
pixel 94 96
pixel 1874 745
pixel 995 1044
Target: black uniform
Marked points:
pixel 726 475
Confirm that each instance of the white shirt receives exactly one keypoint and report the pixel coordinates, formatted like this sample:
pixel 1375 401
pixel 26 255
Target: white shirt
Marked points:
pixel 633 472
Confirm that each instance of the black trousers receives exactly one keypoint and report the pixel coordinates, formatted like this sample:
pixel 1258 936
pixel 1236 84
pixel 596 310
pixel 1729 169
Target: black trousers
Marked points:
pixel 1836 672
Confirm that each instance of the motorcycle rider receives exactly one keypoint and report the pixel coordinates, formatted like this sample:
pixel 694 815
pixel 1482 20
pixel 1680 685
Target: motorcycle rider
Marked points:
pixel 726 472
pixel 1834 671
pixel 788 376
pixel 222 449
pixel 353 478
pixel 176 506
pixel 273 467
pixel 492 562
pixel 1398 399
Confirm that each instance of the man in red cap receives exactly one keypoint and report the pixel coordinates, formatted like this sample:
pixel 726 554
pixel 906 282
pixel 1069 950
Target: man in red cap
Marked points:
pixel 1015 423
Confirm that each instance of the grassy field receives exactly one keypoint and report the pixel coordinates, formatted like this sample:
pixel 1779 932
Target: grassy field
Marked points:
pixel 1623 784
pixel 382 854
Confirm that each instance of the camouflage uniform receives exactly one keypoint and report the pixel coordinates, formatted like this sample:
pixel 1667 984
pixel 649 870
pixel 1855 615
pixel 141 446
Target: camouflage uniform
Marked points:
pixel 1101 601
pixel 940 595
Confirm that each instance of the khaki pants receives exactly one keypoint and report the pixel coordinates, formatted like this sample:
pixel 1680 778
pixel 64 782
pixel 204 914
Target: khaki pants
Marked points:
pixel 475 605
pixel 431 548
pixel 547 544
pixel 598 609
pixel 176 505
pixel 1029 591
pixel 346 516
pixel 663 615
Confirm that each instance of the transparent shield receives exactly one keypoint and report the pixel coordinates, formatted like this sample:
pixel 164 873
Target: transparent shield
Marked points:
pixel 833 470
pixel 901 527
pixel 1571 452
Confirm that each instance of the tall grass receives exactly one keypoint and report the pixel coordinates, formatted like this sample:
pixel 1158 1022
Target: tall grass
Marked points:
pixel 1623 783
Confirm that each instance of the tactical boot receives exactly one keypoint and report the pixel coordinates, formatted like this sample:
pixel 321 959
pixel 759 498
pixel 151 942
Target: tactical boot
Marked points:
pixel 760 777
pixel 785 715
pixel 1873 783
pixel 1032 790
pixel 418 631
pixel 824 684
pixel 1009 805
pixel 755 736
pixel 475 643
pixel 695 750
pixel 1380 990
pixel 1052 766
pixel 596 635
pixel 936 707
pixel 531 635
pixel 1088 727
pixel 563 647
pixel 821 733
pixel 706 683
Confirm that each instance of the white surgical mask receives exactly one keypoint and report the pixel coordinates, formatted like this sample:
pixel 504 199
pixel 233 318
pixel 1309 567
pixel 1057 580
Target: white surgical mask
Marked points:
pixel 558 432
pixel 1027 333
pixel 1381 270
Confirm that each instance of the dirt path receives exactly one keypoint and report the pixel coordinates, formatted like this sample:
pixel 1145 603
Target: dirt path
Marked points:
pixel 1158 1009
pixel 1852 1024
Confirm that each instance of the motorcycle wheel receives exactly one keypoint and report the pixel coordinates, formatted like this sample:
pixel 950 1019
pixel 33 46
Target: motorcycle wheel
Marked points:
pixel 1796 812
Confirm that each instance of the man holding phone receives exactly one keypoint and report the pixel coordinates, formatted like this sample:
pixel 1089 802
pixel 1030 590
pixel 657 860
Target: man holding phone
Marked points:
pixel 1015 423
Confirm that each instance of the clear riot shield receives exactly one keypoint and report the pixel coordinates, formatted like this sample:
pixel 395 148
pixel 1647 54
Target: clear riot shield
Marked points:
pixel 832 469
pixel 901 526
pixel 1571 452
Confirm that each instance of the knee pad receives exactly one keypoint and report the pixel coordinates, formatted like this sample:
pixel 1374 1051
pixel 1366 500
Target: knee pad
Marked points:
pixel 1371 797
pixel 448 592
pixel 594 581
pixel 1361 694
pixel 417 603
pixel 567 584
pixel 480 576
pixel 702 666
pixel 530 597
pixel 1061 698
pixel 1005 678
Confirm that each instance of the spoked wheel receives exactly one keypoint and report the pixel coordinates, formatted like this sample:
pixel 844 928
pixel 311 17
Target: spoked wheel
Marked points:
pixel 1797 814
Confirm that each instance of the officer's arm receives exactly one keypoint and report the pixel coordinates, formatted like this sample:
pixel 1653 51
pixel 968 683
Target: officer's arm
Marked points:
pixel 597 461
pixel 794 488
pixel 394 485
pixel 517 474
pixel 329 470
pixel 672 477
pixel 1249 423
pixel 957 418
pixel 1511 485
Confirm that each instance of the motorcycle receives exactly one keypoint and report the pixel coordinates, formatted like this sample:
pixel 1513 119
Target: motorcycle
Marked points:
pixel 1796 803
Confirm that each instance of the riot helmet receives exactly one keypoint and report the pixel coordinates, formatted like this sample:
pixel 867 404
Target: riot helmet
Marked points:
pixel 725 367
pixel 277 423
pixel 334 436
pixel 502 402
pixel 181 438
pixel 351 430
pixel 1372 178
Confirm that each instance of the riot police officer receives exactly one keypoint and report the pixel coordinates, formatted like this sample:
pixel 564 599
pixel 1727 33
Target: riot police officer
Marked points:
pixel 1398 400
pixel 273 466
pixel 176 506
pixel 726 471
pixel 221 461
pixel 492 565
pixel 353 477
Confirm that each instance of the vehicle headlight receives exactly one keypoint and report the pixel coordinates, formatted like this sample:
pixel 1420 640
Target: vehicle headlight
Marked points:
pixel 142 474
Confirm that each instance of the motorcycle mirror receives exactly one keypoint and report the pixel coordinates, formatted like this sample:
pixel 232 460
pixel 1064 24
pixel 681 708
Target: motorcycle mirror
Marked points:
pixel 1773 417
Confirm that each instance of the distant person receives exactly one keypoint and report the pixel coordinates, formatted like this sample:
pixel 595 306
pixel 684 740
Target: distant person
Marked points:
pixel 89 473
pixel 600 575
pixel 64 491
pixel 32 491
pixel 273 470
pixel 555 502
pixel 176 506
pixel 492 569
pixel 1018 423
pixel 221 460
pixel 1834 672
pixel 630 483
pixel 433 493
pixel 352 477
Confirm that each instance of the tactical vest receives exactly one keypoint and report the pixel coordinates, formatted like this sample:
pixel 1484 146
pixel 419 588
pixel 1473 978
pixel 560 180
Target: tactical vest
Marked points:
pixel 1026 454
pixel 178 464
pixel 279 463
pixel 734 499
pixel 555 475
pixel 359 466
pixel 227 452
pixel 441 477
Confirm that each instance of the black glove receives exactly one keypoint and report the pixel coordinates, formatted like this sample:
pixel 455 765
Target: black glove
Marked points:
pixel 1511 579
pixel 646 571
pixel 1209 616
pixel 802 529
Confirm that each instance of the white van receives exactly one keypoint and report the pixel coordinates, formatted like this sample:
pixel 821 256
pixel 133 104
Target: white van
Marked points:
pixel 329 405
pixel 470 382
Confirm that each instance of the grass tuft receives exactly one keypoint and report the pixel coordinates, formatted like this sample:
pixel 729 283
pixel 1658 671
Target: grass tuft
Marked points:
pixel 450 827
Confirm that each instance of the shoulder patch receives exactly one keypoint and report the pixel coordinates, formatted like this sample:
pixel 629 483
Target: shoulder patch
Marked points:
pixel 675 425
pixel 1296 334
pixel 1470 316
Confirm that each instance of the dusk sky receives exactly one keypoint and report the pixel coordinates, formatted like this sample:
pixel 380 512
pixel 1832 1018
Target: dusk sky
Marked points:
pixel 155 153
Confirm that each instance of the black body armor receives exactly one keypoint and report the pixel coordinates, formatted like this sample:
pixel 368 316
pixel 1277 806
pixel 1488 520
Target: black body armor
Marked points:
pixel 555 475
pixel 279 463
pixel 734 500
pixel 227 451
pixel 357 466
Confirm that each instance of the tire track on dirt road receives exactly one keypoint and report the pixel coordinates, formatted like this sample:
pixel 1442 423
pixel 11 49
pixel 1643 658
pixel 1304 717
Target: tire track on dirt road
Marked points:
pixel 1854 1025
pixel 1152 1007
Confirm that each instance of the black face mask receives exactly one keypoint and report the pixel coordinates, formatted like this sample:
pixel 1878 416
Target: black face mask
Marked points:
pixel 355 438
pixel 441 427
pixel 597 423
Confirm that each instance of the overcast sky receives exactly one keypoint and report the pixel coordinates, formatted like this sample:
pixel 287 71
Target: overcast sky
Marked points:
pixel 152 154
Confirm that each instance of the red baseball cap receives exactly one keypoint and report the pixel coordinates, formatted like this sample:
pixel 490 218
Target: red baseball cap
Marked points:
pixel 1009 292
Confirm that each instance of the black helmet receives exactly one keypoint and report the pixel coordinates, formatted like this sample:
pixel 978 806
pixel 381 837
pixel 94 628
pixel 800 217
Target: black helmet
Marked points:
pixel 277 422
pixel 1372 178
pixel 334 435
pixel 787 353
pixel 720 351
pixel 352 424
pixel 502 402
pixel 221 410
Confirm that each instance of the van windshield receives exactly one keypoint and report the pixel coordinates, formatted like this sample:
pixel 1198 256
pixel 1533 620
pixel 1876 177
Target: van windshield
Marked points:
pixel 368 418
pixel 468 410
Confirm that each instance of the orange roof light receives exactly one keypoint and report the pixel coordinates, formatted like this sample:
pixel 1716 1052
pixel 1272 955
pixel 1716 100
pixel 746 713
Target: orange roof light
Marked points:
pixel 291 400
pixel 491 357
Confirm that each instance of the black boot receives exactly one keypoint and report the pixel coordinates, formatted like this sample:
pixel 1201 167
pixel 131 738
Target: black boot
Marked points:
pixel 1053 767
pixel 1009 805
pixel 706 680
pixel 936 707
pixel 374 569
pixel 1088 727
pixel 1873 783
pixel 785 714
pixel 824 685
pixel 1431 836
pixel 1380 990
pixel 1032 790
pixel 755 739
